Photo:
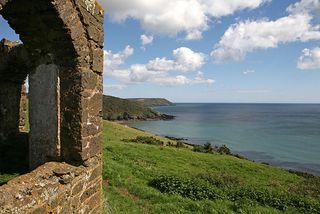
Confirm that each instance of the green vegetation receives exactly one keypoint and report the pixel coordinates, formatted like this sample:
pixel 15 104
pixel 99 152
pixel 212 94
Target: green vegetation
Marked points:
pixel 4 178
pixel 123 109
pixel 153 140
pixel 149 177
pixel 145 140
pixel 150 102
pixel 143 173
pixel 208 148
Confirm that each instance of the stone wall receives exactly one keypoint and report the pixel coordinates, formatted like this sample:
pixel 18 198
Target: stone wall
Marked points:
pixel 12 90
pixel 67 35
pixel 55 188
pixel 10 97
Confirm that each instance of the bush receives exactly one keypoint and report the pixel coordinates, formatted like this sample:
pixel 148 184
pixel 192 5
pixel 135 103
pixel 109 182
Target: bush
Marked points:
pixel 205 187
pixel 221 180
pixel 198 148
pixel 145 140
pixel 278 200
pixel 193 189
pixel 154 141
pixel 180 144
pixel 207 148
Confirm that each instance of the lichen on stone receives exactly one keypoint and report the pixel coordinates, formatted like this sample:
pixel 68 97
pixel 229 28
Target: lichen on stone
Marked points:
pixel 91 5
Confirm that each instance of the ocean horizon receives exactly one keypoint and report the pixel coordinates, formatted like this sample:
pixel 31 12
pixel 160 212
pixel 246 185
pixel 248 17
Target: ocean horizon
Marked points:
pixel 285 135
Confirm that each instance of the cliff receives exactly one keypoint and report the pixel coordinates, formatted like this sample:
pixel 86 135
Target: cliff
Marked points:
pixel 115 108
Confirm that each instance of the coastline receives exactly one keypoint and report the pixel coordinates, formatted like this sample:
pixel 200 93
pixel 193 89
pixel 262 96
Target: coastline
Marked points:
pixel 164 117
pixel 243 155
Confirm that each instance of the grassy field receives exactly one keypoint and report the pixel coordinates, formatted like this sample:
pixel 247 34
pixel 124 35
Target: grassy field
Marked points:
pixel 141 178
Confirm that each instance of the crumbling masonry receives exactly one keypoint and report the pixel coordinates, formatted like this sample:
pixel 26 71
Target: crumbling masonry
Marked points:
pixel 62 53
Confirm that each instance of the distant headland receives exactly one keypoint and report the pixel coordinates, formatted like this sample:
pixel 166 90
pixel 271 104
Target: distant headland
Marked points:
pixel 117 109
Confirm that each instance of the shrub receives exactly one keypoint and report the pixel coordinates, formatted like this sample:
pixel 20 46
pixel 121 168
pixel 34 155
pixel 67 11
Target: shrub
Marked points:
pixel 193 189
pixel 180 144
pixel 221 180
pixel 145 140
pixel 198 148
pixel 207 148
pixel 278 200
pixel 205 187
pixel 223 150
pixel 154 141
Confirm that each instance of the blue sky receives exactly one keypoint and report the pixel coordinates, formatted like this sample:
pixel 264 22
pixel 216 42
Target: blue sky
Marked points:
pixel 211 50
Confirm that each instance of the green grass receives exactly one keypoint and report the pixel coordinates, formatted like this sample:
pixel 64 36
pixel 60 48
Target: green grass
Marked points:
pixel 4 178
pixel 141 178
pixel 245 186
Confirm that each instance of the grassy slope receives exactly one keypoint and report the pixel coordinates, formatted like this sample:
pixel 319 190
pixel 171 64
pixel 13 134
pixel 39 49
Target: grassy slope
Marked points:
pixel 129 167
pixel 114 109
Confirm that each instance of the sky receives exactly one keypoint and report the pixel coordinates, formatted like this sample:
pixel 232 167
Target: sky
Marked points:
pixel 256 51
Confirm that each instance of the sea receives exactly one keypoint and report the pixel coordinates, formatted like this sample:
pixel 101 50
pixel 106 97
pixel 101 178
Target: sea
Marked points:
pixel 282 135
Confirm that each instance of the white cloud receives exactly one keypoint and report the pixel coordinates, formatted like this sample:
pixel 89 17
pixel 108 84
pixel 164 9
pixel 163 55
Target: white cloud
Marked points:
pixel 167 17
pixel 188 59
pixel 248 71
pixel 218 8
pixel 184 59
pixel 113 87
pixel 157 71
pixel 112 61
pixel 310 59
pixel 181 80
pixel 305 6
pixel 247 36
pixel 201 79
pixel 145 40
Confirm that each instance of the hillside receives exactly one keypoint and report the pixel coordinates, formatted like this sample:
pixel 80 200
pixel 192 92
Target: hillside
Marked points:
pixel 115 108
pixel 151 102
pixel 140 178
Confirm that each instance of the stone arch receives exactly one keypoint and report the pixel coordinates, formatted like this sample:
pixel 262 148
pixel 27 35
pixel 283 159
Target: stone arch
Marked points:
pixel 63 37
pixel 69 35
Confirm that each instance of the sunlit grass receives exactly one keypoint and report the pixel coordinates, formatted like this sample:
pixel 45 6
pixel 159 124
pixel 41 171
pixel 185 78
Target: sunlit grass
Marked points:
pixel 129 167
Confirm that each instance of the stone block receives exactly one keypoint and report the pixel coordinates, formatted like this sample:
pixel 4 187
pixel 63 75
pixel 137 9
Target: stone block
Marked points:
pixel 94 189
pixel 44 102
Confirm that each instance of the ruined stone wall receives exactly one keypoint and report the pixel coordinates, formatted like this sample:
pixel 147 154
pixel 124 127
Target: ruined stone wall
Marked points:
pixel 10 96
pixel 68 35
pixel 55 188
pixel 14 67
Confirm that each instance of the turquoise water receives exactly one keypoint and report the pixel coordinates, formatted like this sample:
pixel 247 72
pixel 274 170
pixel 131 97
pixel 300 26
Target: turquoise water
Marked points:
pixel 285 135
